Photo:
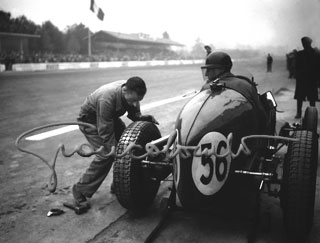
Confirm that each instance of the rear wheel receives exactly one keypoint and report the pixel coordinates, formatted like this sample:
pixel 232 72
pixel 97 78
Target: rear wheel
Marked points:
pixel 310 119
pixel 299 184
pixel 133 188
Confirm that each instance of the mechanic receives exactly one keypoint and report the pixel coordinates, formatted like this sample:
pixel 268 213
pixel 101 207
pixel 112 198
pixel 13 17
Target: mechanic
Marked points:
pixel 217 68
pixel 103 109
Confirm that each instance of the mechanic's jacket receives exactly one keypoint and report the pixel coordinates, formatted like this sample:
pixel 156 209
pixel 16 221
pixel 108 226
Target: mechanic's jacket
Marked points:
pixel 105 105
pixel 244 86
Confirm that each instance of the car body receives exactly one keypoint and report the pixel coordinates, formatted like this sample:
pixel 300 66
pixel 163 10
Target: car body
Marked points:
pixel 219 133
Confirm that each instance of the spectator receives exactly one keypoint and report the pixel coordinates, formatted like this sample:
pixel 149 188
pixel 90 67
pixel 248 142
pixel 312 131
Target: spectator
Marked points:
pixel 291 63
pixel 269 63
pixel 208 49
pixel 307 73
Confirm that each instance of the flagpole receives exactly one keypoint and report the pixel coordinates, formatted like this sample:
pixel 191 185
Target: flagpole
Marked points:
pixel 100 14
pixel 89 33
pixel 89 42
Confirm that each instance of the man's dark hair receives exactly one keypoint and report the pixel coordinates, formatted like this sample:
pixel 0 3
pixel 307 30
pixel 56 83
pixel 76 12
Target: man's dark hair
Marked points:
pixel 137 84
pixel 306 39
pixel 306 42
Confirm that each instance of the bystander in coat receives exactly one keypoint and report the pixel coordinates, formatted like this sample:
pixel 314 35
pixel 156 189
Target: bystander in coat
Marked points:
pixel 269 63
pixel 307 74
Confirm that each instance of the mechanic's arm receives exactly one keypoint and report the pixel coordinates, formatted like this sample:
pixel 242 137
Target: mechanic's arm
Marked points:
pixel 105 124
pixel 134 114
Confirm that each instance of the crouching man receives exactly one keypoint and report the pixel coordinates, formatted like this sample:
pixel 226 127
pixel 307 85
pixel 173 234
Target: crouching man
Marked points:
pixel 103 108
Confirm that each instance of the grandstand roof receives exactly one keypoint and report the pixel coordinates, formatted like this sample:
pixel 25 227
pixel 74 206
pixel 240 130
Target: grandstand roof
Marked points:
pixel 9 34
pixel 139 38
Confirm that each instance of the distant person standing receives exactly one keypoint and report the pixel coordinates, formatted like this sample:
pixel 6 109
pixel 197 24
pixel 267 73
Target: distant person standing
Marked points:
pixel 291 63
pixel 269 63
pixel 307 74
pixel 208 49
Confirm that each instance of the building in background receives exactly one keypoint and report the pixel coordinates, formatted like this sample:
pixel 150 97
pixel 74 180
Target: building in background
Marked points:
pixel 137 46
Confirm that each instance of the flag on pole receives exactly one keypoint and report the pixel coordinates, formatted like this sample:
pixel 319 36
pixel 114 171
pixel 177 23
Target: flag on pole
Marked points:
pixel 98 11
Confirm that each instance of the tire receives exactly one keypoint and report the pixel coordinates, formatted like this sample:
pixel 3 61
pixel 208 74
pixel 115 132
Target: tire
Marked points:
pixel 134 190
pixel 310 119
pixel 299 184
pixel 272 122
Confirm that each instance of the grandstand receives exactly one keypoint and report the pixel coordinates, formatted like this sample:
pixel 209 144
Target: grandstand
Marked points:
pixel 133 46
pixel 120 40
pixel 104 46
pixel 20 42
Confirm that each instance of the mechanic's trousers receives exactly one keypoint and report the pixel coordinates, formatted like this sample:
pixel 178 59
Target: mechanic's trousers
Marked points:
pixel 99 168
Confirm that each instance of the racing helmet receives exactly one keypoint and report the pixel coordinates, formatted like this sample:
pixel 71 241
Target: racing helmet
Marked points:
pixel 216 60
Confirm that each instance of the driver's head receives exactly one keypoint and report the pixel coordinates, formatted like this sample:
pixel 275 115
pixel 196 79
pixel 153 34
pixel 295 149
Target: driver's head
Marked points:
pixel 216 64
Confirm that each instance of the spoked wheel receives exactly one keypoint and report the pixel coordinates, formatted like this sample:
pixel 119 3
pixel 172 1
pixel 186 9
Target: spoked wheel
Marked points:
pixel 133 188
pixel 310 119
pixel 299 184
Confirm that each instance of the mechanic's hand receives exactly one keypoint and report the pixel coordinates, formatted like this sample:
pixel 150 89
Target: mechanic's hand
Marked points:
pixel 148 118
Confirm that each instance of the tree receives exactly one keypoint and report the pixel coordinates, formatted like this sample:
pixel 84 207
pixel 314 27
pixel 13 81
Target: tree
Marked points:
pixel 17 25
pixel 197 50
pixel 75 42
pixel 73 45
pixel 51 38
pixel 5 21
pixel 22 25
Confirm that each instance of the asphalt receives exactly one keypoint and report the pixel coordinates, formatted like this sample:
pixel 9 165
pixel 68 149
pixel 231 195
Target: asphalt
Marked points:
pixel 223 225
pixel 23 217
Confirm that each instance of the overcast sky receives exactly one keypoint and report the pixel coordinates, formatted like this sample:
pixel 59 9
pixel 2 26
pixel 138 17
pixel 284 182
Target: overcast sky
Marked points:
pixel 223 23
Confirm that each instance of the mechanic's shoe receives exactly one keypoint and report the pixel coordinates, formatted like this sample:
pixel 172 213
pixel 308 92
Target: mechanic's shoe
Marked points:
pixel 79 198
pixel 84 204
pixel 298 115
pixel 78 209
pixel 112 189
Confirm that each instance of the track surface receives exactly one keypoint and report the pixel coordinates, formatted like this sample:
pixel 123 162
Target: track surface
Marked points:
pixel 34 99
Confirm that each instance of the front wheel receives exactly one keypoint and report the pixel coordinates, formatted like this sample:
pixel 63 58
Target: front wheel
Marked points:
pixel 299 184
pixel 134 190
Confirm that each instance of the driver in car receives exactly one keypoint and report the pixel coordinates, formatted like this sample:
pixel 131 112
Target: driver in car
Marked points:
pixel 217 68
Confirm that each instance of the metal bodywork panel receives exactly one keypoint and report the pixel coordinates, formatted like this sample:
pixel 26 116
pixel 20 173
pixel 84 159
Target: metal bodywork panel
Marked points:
pixel 226 111
pixel 206 121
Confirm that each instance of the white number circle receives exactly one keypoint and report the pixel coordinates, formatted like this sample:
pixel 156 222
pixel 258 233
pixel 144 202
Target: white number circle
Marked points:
pixel 209 173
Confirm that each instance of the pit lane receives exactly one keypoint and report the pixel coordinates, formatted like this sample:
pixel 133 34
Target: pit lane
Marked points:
pixel 34 99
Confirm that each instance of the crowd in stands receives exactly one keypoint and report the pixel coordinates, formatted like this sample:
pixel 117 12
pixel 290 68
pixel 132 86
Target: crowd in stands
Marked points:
pixel 130 54
pixel 13 57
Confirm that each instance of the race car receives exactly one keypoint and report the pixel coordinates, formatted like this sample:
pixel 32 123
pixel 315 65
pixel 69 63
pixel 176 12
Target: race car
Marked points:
pixel 218 134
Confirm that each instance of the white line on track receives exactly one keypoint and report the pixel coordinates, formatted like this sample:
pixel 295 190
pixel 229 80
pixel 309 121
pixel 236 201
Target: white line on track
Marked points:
pixel 70 128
